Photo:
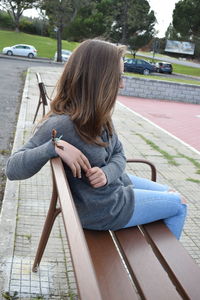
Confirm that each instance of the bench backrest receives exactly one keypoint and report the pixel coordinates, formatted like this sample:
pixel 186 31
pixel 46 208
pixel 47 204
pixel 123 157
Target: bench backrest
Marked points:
pixel 43 93
pixel 79 251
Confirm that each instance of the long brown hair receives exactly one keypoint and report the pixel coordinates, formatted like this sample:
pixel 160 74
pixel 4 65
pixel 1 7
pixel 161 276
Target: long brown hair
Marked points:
pixel 88 87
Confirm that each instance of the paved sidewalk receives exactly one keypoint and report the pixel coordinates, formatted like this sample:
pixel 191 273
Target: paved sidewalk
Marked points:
pixel 26 202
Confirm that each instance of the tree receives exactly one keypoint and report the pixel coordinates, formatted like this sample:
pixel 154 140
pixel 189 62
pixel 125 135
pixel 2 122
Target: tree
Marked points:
pixel 6 21
pixel 122 21
pixel 61 13
pixel 171 33
pixel 93 20
pixel 186 22
pixel 186 19
pixel 134 23
pixel 16 9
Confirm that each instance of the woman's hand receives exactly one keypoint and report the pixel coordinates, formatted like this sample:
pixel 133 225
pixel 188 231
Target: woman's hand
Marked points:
pixel 96 177
pixel 73 157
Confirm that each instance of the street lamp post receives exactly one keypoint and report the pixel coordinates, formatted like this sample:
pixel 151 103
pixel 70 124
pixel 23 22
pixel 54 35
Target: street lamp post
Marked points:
pixel 59 34
pixel 156 46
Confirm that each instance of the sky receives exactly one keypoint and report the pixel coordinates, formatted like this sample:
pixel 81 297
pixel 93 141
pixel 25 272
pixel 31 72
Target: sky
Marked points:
pixel 163 10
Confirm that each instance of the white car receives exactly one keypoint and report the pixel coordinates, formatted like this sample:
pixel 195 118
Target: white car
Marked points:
pixel 65 55
pixel 21 50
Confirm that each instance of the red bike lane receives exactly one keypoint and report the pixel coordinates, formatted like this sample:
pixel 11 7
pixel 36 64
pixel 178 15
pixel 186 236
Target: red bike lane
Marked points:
pixel 180 119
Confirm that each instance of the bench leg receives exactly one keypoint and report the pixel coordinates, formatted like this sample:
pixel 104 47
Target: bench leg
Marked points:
pixel 51 216
pixel 38 106
pixel 43 109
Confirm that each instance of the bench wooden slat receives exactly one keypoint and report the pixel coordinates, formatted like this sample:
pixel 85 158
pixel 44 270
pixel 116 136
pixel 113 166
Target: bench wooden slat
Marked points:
pixel 114 280
pixel 150 278
pixel 82 264
pixel 175 258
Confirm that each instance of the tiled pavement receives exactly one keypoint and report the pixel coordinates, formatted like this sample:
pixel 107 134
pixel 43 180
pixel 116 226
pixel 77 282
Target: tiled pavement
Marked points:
pixel 26 202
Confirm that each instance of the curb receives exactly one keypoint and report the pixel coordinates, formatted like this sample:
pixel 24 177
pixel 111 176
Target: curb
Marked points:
pixel 10 200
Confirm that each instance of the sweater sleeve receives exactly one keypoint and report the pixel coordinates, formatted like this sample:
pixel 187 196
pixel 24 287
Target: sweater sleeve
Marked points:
pixel 117 163
pixel 28 160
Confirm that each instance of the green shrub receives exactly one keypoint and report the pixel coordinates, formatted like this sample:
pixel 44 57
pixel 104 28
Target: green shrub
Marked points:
pixel 6 21
pixel 34 26
pixel 27 26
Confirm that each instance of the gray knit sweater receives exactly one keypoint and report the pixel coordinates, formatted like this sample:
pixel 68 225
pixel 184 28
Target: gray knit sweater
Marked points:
pixel 107 207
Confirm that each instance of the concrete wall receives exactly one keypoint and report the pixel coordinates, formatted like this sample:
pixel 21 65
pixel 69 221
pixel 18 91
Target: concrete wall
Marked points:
pixel 164 90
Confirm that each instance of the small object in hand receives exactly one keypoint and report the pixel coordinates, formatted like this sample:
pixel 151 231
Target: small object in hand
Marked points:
pixel 56 140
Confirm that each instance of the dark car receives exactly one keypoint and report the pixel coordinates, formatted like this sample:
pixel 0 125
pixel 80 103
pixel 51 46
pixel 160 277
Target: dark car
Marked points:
pixel 138 66
pixel 164 67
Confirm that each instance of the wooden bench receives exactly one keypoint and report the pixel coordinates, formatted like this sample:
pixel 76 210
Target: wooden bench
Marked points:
pixel 43 97
pixel 144 262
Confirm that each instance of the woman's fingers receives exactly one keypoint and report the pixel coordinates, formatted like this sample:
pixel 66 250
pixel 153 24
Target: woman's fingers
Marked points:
pixel 95 181
pixel 96 177
pixel 85 161
pixel 91 172
pixel 81 163
pixel 73 169
pixel 97 185
pixel 78 169
pixel 74 158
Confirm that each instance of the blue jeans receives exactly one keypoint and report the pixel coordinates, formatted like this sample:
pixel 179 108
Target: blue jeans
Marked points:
pixel 153 202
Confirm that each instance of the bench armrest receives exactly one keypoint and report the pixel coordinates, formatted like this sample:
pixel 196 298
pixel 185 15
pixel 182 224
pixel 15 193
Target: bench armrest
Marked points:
pixel 153 168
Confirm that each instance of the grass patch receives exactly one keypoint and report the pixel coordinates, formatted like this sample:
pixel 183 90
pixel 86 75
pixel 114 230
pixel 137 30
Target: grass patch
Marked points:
pixel 192 160
pixel 28 236
pixel 45 46
pixel 165 154
pixel 162 78
pixel 181 69
pixel 193 180
pixel 4 152
pixel 151 54
pixel 12 296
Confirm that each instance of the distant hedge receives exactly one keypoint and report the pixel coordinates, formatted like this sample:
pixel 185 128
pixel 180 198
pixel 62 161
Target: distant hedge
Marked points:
pixel 27 25
pixel 34 26
pixel 6 21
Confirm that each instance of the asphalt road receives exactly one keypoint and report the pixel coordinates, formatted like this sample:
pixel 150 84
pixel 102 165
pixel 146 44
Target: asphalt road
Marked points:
pixel 12 78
